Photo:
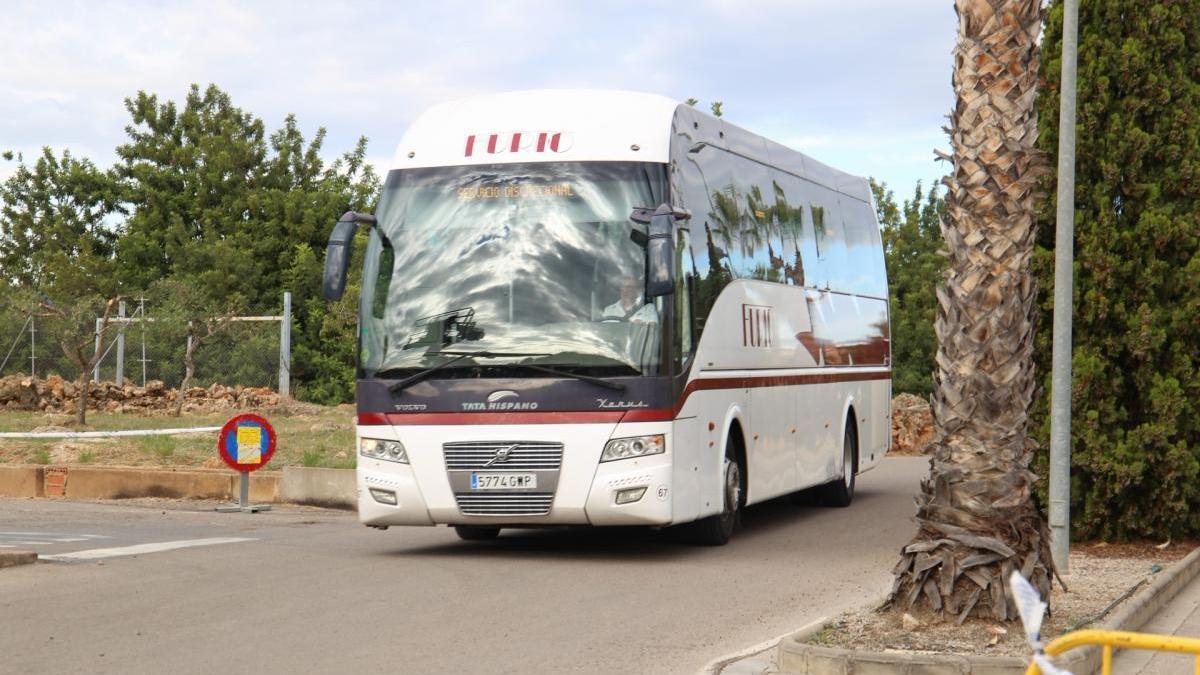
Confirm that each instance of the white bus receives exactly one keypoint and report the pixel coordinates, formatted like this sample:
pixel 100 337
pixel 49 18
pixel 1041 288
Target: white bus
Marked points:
pixel 608 308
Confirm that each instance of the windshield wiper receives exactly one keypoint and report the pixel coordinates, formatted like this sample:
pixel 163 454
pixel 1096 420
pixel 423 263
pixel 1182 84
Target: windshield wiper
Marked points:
pixel 456 356
pixel 598 381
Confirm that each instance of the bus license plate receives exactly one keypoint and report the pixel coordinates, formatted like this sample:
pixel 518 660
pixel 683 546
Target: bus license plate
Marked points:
pixel 503 481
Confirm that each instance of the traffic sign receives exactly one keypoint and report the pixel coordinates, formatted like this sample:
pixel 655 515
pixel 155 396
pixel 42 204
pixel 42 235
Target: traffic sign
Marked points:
pixel 247 442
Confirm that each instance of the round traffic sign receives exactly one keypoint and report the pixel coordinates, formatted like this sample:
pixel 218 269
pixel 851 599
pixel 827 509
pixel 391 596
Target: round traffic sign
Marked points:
pixel 247 442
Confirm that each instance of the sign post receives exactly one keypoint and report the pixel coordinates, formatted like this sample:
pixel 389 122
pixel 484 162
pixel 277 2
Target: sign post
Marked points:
pixel 246 444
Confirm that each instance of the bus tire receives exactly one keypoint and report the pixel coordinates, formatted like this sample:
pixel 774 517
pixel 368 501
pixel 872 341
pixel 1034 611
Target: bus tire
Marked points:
pixel 840 492
pixel 476 532
pixel 717 529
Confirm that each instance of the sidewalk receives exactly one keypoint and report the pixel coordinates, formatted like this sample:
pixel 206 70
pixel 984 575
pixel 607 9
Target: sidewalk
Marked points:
pixel 1180 616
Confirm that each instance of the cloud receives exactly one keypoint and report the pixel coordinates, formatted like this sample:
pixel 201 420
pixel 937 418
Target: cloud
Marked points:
pixel 824 75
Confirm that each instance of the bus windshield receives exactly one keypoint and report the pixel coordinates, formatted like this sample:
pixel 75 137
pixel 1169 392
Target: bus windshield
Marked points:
pixel 535 264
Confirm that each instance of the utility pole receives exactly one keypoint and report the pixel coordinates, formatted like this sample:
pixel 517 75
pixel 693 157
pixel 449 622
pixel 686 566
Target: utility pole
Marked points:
pixel 1064 259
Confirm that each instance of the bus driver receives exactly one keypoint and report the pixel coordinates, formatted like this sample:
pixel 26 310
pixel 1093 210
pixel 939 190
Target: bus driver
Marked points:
pixel 630 307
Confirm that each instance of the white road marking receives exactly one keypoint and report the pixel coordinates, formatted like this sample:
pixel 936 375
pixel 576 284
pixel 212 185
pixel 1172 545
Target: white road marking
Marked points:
pixel 98 553
pixel 53 534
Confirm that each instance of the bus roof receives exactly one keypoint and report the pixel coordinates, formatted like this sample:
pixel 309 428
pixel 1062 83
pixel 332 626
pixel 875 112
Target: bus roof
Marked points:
pixel 587 125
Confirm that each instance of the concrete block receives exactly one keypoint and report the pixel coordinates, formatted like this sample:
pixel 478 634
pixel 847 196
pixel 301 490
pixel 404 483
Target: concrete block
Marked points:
pixel 14 558
pixel 21 481
pixel 865 663
pixel 111 483
pixel 827 662
pixel 264 486
pixel 998 665
pixel 319 487
pixel 56 481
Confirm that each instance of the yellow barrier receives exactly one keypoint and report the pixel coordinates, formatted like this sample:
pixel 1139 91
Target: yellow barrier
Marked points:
pixel 1110 639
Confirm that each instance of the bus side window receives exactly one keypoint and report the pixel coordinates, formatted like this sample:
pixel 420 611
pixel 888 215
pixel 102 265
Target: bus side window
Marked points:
pixel 709 259
pixel 864 251
pixel 383 279
pixel 685 326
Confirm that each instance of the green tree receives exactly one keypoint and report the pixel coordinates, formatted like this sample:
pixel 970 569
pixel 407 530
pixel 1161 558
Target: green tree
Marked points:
pixel 53 230
pixel 56 248
pixel 1136 389
pixel 912 241
pixel 245 215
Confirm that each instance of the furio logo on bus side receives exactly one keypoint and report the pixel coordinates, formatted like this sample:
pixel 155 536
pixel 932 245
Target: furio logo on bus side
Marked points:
pixel 756 326
pixel 519 141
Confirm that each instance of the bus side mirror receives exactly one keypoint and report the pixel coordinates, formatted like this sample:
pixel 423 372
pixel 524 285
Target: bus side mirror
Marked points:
pixel 660 253
pixel 337 253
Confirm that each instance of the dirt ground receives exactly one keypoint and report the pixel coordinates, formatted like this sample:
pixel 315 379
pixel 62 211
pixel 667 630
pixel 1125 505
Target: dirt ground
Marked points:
pixel 1099 575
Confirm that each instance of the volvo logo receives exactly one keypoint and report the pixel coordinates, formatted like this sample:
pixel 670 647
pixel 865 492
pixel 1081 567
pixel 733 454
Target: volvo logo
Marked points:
pixel 503 454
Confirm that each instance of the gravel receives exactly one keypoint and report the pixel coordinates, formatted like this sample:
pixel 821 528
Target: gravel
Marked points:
pixel 1100 574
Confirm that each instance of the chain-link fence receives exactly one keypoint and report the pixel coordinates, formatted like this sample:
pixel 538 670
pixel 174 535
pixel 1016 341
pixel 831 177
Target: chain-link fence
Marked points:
pixel 252 350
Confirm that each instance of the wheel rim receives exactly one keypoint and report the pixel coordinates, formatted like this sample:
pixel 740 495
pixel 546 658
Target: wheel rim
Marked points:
pixel 733 486
pixel 847 461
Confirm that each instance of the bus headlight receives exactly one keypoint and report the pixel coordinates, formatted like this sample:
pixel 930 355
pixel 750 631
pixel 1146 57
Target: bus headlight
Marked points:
pixel 635 446
pixel 388 451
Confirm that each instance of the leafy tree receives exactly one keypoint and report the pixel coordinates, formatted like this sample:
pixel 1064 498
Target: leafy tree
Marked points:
pixel 53 229
pixel 57 249
pixel 912 241
pixel 1136 389
pixel 975 512
pixel 245 215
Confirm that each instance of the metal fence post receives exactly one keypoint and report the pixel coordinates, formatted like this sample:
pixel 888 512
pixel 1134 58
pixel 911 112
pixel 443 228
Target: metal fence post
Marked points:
pixel 32 347
pixel 285 347
pixel 142 315
pixel 96 368
pixel 120 378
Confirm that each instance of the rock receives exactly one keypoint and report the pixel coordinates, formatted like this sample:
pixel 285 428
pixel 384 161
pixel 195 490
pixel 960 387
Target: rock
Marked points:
pixel 912 425
pixel 910 622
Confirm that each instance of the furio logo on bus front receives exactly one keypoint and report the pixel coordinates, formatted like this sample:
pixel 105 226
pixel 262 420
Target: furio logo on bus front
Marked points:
pixel 519 141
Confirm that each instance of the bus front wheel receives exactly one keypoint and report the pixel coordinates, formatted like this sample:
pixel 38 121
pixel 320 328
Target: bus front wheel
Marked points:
pixel 717 529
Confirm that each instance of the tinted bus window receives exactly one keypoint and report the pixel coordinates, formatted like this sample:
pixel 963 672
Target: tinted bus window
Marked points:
pixel 864 251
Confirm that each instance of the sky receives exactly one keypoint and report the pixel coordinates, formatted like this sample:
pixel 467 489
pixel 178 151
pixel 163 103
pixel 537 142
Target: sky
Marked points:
pixel 863 85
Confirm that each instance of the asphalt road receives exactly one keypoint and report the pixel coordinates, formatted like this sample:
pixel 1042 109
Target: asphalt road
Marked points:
pixel 307 590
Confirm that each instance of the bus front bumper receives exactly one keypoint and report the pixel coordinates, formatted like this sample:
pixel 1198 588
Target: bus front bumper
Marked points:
pixel 636 491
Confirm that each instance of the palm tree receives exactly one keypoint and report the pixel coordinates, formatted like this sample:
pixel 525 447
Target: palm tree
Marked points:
pixel 976 518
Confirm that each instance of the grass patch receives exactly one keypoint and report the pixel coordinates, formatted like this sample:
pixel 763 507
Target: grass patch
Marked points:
pixel 41 456
pixel 162 447
pixel 823 636
pixel 87 457
pixel 344 463
pixel 313 457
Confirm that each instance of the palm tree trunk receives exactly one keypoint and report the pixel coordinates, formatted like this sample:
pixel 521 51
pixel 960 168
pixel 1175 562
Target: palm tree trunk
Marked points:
pixel 976 518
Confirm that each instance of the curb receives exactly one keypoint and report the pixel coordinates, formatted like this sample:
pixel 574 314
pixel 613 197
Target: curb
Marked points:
pixel 796 657
pixel 93 482
pixel 329 488
pixel 14 558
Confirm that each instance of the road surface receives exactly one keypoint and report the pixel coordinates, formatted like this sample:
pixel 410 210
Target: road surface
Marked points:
pixel 152 586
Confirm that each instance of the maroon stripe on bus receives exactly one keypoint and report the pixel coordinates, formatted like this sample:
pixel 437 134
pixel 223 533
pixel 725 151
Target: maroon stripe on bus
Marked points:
pixel 557 417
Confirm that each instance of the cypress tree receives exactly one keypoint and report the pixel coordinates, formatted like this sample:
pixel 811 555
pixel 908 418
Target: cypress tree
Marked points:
pixel 1136 390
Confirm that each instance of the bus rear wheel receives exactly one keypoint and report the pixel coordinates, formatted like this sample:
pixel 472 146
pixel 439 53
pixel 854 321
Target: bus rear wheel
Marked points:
pixel 476 532
pixel 717 529
pixel 840 492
